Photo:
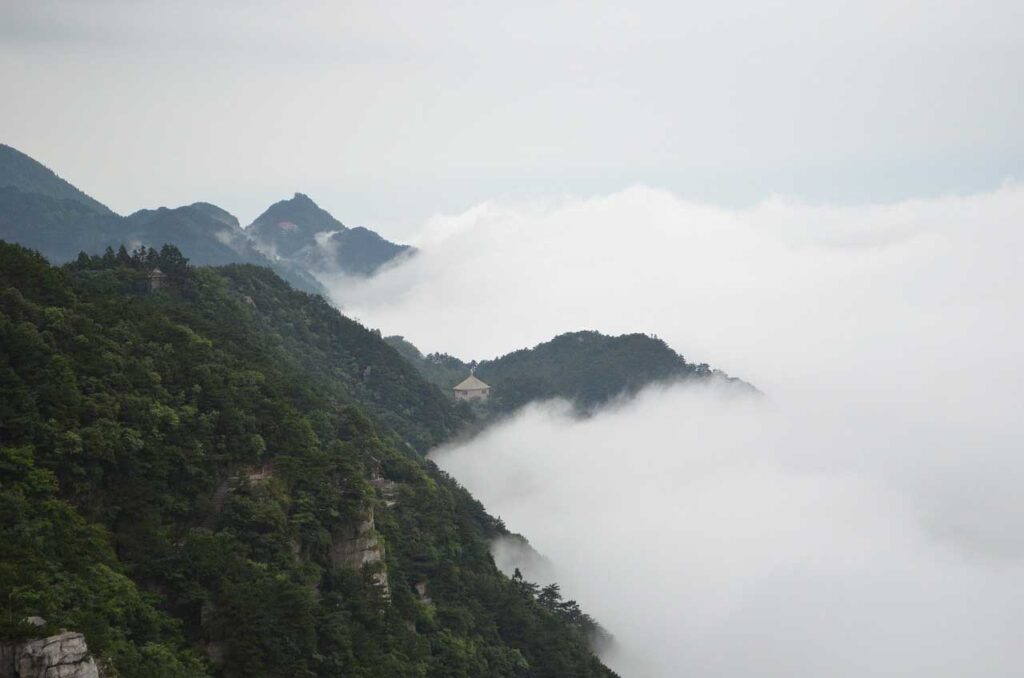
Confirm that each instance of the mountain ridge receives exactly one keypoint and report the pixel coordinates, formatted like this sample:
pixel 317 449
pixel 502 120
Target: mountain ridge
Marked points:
pixel 585 367
pixel 301 230
pixel 40 210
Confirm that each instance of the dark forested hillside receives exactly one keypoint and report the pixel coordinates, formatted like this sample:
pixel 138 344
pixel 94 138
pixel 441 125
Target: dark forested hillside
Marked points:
pixel 209 236
pixel 587 368
pixel 359 251
pixel 217 478
pixel 342 357
pixel 60 228
pixel 440 369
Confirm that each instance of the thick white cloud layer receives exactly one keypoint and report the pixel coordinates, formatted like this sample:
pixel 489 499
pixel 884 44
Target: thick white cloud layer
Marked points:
pixel 864 518
pixel 784 294
pixel 724 538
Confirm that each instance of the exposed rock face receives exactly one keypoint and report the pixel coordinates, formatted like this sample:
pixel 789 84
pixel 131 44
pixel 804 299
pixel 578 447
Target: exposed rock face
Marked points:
pixel 421 592
pixel 388 490
pixel 62 656
pixel 7 652
pixel 359 547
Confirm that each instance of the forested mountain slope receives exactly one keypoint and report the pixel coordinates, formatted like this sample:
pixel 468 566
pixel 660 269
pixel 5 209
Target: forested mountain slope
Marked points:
pixel 60 228
pixel 587 368
pixel 208 236
pixel 216 479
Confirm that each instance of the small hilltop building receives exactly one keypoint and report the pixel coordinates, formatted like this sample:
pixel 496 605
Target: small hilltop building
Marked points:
pixel 472 389
pixel 157 280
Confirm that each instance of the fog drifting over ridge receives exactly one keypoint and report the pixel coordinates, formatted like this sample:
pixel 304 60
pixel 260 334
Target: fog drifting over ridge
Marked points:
pixel 864 518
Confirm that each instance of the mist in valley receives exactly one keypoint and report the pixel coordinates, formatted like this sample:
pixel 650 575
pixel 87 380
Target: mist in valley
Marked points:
pixel 861 517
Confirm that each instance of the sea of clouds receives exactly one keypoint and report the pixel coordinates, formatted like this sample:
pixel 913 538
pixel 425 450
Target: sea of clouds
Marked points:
pixel 863 517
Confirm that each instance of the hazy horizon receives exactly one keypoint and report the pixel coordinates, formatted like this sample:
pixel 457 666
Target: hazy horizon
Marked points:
pixel 389 113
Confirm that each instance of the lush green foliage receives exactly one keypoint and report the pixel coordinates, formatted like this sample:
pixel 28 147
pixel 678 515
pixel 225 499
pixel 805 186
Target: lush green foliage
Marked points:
pixel 179 467
pixel 438 368
pixel 586 368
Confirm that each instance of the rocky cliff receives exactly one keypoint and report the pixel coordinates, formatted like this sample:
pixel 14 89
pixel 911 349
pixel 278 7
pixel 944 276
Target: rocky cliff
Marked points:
pixel 64 655
pixel 358 547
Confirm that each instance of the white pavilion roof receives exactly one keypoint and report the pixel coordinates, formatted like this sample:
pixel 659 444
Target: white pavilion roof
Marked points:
pixel 471 383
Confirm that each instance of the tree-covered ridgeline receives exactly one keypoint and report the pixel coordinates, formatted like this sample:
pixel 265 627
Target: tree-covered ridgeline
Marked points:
pixel 587 368
pixel 193 476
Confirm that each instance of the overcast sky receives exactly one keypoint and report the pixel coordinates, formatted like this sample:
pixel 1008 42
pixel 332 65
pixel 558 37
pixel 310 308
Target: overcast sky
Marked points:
pixel 388 113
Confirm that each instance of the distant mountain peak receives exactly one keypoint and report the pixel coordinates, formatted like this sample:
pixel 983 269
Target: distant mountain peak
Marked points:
pixel 298 229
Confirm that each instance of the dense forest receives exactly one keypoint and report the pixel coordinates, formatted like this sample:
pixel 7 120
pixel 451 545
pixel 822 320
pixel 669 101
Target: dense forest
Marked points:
pixel 586 368
pixel 223 477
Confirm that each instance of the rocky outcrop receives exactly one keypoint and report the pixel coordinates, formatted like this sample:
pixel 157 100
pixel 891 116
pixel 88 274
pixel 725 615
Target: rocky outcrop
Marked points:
pixel 388 490
pixel 64 655
pixel 359 547
pixel 421 592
